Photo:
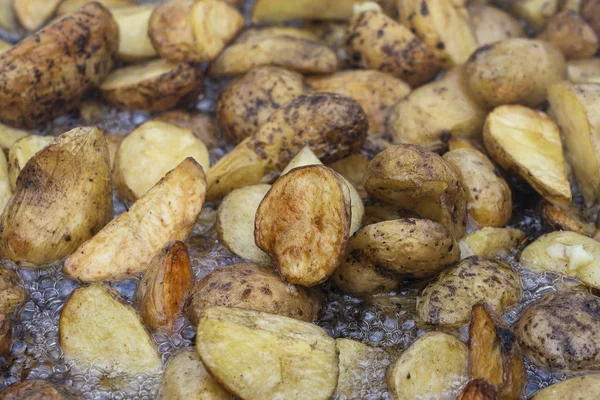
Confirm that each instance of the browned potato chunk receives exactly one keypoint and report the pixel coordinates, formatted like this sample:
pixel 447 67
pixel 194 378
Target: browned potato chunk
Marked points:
pixel 535 12
pixel 491 242
pixel 583 71
pixel 491 25
pixel 35 390
pixel 581 387
pixel 571 35
pixel 202 125
pixel 22 151
pixel 478 389
pixel 32 14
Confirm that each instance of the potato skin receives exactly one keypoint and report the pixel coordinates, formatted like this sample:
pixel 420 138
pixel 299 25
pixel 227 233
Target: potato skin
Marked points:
pixel 252 287
pixel 171 31
pixel 48 72
pixel 580 387
pixel 569 32
pixel 35 390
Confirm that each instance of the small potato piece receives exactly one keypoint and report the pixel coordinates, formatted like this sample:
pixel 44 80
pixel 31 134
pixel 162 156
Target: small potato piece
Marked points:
pixel 215 24
pixel 376 41
pixel 514 71
pixel 527 142
pixel 47 73
pixel 186 378
pixel 535 12
pixel 571 35
pixel 63 196
pixel 70 6
pixel 202 125
pixel 22 151
pixel 149 152
pixel 437 112
pixel 434 366
pixel 32 14
pixel 277 11
pixel 375 91
pixel 35 390
pixel 167 212
pixel 449 299
pixel 490 242
pixel 252 287
pixel 12 294
pixel 98 327
pixel 571 220
pixel 489 199
pixel 5 187
pixel 580 387
pixel 162 291
pixel 304 222
pixel 478 389
pixel 584 71
pixel 561 331
pixel 248 102
pixel 134 42
pixel 257 355
pixel 412 178
pixel 491 25
pixel 9 136
pixel 153 86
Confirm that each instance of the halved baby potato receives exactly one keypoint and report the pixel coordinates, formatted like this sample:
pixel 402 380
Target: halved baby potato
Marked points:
pixel 32 14
pixel 134 42
pixel 361 279
pixel 10 135
pixel 22 151
pixel 491 242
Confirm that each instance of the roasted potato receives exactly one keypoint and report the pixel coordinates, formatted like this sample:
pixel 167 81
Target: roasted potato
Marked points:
pixel 491 242
pixel 153 86
pixel 590 11
pixel 97 327
pixel 561 331
pixel 569 32
pixel 412 178
pixel 584 71
pixel 134 42
pixel 434 366
pixel 123 248
pixel 63 196
pixel 22 151
pixel 478 389
pixel 12 294
pixel 5 187
pixel 333 126
pixel 491 25
pixel 304 223
pixel 376 41
pixel 4 46
pixel 535 12
pixel 527 142
pixel 202 125
pixel 248 102
pixel 32 14
pixel 496 75
pixel 36 389
pixel 571 220
pixel 70 6
pixel 47 73
pixel 6 339
pixel 257 355
pixel 252 287
pixel 581 387
pixel 162 291
pixel 448 300
pixel 113 142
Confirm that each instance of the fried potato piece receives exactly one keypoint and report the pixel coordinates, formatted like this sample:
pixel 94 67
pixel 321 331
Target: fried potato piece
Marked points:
pixel 580 387
pixel 62 198
pixel 12 294
pixel 252 287
pixel 361 279
pixel 35 390
pixel 376 41
pixel 202 125
pixel 412 178
pixel 186 378
pixel 448 300
pixel 491 25
pixel 478 389
pixel 584 71
pixel 434 365
pixel 527 142
pixel 70 6
pixel 264 356
pixel 153 86
pixel 6 339
pixel 149 152
pixel 9 136
pixel 569 32
pixel 571 220
pixel 276 11
pixel 333 126
pixel 304 222
pixel 5 187
pixel 248 102
pixel 162 291
pixel 535 12
pixel 47 73
pixel 32 14
pixel 22 151
pixel 167 212
pixel 134 42
pixel 98 327
pixel 490 242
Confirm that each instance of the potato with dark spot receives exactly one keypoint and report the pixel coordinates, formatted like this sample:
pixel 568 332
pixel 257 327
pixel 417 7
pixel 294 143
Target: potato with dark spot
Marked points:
pixel 12 294
pixel 491 24
pixel 572 35
pixel 35 390
pixel 252 287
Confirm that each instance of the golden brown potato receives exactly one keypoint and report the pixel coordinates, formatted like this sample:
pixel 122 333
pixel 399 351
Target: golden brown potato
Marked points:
pixel 491 242
pixel 478 389
pixel 448 300
pixel 134 42
pixel 97 327
pixel 333 126
pixel 514 71
pixel 32 14
pixel 583 71
pixel 62 198
pixel 162 291
pixel 248 102
pixel 571 35
pixel 581 387
pixel 153 86
pixel 571 220
pixel 257 355
pixel 48 72
pixel 535 12
pixel 35 390
pixel 304 222
pixel 167 212
pixel 277 11
pixel 590 11
pixel 436 112
pixel 70 6
pixel 527 142
pixel 252 287
pixel 22 151
pixel 491 25
pixel 12 294
pixel 412 178
pixel 376 41
pixel 202 125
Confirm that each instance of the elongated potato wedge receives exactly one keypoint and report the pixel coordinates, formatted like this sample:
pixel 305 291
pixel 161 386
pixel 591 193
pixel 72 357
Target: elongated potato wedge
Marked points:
pixel 584 71
pixel 62 198
pixel 527 142
pixel 32 14
pixel 5 186
pixel 35 390
pixel 277 11
pixel 22 151
pixel 48 72
pixel 70 6
pixel 491 24
pixel 304 222
pixel 478 389
pixel 98 327
pixel 167 212
pixel 490 242
pixel 535 12
pixel 256 355
pixel 569 32
pixel 202 125
pixel 134 42
pixel 582 387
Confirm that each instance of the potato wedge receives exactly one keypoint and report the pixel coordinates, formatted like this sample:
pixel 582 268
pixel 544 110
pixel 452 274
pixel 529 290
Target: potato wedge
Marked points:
pixel 202 125
pixel 186 379
pixel 162 291
pixel 98 327
pixel 535 12
pixel 571 220
pixel 62 198
pixel 70 6
pixel 167 212
pixel 527 142
pixel 12 293
pixel 153 86
pixel 22 151
pixel 333 126
pixel 581 387
pixel 252 287
pixel 491 25
pixel 47 73
pixel 35 390
pixel 569 32
pixel 434 366
pixel 376 41
pixel 134 42
pixel 304 222
pixel 584 71
pixel 478 389
pixel 276 11
pixel 491 242
pixel 5 187
pixel 32 14
pixel 256 355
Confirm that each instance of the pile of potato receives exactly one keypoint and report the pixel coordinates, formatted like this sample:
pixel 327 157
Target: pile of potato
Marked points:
pixel 373 146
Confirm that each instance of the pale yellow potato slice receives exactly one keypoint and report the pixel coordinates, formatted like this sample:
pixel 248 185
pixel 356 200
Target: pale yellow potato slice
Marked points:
pixel 490 242
pixel 22 151
pixel 215 24
pixel 32 14
pixel 134 42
